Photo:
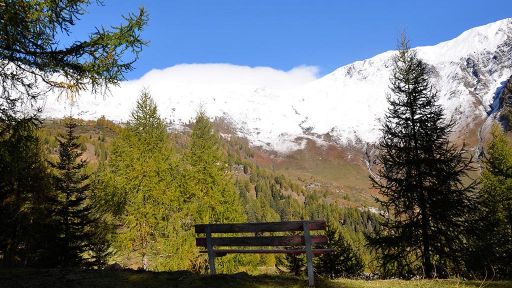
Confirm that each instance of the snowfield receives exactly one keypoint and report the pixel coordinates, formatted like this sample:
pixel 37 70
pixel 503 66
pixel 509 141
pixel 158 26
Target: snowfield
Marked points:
pixel 272 108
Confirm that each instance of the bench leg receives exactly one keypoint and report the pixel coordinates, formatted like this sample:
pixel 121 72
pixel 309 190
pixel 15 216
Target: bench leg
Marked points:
pixel 309 256
pixel 211 254
pixel 211 262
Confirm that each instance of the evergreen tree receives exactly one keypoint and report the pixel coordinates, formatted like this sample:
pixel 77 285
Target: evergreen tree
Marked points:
pixel 291 263
pixel 492 242
pixel 139 189
pixel 344 261
pixel 27 236
pixel 420 177
pixel 72 207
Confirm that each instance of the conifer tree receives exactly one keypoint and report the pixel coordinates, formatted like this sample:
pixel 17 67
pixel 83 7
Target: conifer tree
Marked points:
pixel 492 242
pixel 420 178
pixel 210 190
pixel 72 207
pixel 139 187
pixel 33 60
pixel 27 236
pixel 344 261
pixel 291 263
pixel 210 185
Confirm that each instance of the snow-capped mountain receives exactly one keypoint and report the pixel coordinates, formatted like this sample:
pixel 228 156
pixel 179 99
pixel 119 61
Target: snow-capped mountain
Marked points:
pixel 274 108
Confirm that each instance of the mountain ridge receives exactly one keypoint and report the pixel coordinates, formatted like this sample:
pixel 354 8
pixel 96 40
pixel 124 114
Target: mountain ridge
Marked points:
pixel 282 112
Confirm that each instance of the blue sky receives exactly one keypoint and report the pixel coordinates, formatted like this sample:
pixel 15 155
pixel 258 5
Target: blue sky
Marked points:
pixel 284 34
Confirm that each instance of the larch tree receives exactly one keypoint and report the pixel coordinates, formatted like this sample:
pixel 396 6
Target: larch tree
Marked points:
pixel 35 61
pixel 492 243
pixel 211 189
pixel 421 178
pixel 139 190
pixel 211 193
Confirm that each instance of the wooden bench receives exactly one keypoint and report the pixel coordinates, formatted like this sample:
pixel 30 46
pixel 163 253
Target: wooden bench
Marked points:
pixel 263 242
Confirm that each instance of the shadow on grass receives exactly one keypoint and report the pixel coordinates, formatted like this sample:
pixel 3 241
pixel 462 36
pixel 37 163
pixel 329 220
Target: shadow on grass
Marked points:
pixel 75 278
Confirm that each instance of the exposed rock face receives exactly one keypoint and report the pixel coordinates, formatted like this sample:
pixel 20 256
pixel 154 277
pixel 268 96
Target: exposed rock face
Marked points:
pixel 505 97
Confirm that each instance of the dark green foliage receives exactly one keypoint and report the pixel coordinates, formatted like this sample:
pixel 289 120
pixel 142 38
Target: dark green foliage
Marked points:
pixel 32 54
pixel 72 207
pixel 344 261
pixel 491 253
pixel 268 202
pixel 421 178
pixel 27 234
pixel 291 263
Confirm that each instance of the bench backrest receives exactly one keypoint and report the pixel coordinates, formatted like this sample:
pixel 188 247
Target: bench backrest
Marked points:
pixel 257 228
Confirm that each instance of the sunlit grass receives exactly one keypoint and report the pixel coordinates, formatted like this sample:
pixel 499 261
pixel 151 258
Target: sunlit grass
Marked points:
pixel 452 283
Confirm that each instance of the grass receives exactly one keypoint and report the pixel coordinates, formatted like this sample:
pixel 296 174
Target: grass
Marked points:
pixel 452 283
pixel 60 278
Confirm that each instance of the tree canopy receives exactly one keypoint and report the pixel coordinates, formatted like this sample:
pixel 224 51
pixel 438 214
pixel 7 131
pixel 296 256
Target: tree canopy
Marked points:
pixel 35 60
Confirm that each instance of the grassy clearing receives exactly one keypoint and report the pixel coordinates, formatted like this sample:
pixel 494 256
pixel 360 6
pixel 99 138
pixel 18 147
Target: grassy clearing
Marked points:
pixel 59 278
pixel 419 284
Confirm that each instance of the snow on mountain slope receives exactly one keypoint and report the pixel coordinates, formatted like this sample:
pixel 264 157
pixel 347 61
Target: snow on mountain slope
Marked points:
pixel 273 108
pixel 466 71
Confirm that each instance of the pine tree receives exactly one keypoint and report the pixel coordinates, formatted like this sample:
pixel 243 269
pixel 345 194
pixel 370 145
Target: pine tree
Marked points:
pixel 420 177
pixel 72 207
pixel 139 189
pixel 492 242
pixel 344 261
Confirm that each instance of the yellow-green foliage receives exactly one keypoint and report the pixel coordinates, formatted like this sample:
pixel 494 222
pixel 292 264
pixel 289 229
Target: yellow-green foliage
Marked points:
pixel 209 183
pixel 210 191
pixel 493 243
pixel 138 189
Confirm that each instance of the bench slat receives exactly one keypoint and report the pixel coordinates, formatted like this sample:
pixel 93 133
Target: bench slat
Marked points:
pixel 291 240
pixel 220 252
pixel 261 227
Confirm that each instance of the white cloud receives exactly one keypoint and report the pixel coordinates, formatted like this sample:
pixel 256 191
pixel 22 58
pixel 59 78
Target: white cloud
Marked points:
pixel 222 74
pixel 179 90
